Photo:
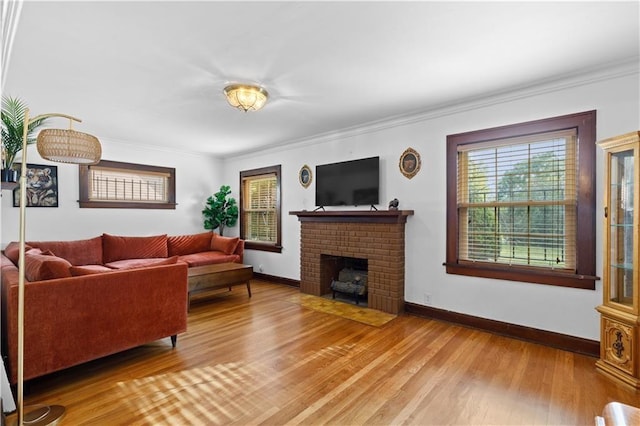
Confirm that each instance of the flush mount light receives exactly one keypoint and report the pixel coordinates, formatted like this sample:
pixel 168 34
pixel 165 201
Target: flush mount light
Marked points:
pixel 246 97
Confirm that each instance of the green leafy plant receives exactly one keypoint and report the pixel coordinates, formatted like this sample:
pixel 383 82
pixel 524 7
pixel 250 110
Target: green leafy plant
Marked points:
pixel 13 111
pixel 221 210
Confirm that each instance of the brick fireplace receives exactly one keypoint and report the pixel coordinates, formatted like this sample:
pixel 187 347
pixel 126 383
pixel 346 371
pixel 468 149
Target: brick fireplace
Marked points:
pixel 374 236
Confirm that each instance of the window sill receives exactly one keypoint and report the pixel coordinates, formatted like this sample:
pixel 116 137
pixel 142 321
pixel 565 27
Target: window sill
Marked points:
pixel 125 205
pixel 561 279
pixel 252 245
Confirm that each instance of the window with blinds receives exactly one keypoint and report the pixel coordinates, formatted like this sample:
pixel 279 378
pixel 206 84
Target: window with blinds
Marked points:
pixel 517 200
pixel 127 185
pixel 521 202
pixel 260 208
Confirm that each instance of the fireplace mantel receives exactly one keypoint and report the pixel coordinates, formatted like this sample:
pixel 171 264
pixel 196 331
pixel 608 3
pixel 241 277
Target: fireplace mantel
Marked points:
pixel 358 216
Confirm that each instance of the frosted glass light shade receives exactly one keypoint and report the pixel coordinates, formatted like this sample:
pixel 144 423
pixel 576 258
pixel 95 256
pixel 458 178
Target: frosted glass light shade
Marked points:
pixel 246 97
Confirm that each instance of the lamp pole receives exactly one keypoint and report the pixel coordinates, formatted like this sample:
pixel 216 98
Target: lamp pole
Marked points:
pixel 57 411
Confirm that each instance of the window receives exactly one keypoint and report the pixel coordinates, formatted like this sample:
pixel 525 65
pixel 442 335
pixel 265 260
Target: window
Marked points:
pixel 521 202
pixel 112 184
pixel 260 209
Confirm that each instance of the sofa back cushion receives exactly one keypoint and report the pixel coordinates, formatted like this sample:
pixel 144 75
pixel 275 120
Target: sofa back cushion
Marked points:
pixel 77 252
pixel 179 245
pixel 122 247
pixel 42 265
pixel 227 245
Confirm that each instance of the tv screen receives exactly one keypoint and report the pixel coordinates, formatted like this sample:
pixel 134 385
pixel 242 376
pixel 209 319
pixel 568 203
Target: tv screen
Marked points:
pixel 349 183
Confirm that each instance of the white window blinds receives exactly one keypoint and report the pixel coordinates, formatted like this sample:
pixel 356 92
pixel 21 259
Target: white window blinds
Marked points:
pixel 517 201
pixel 111 184
pixel 260 208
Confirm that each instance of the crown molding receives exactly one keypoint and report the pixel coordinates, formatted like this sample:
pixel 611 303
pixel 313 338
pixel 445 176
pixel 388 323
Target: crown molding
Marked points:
pixel 611 71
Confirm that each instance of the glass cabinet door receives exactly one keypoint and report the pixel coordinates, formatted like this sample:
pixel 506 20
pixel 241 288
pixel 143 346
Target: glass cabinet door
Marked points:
pixel 621 230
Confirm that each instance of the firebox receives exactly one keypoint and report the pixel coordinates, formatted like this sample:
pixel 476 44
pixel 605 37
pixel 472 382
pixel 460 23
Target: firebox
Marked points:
pixel 346 276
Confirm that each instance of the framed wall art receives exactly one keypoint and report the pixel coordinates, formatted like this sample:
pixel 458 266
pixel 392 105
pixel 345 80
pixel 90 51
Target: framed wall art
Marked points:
pixel 305 176
pixel 42 186
pixel 409 163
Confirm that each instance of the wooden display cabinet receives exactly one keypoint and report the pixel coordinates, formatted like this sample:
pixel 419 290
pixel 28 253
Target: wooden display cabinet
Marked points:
pixel 620 309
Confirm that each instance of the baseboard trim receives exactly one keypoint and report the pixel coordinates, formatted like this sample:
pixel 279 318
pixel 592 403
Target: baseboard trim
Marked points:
pixel 277 280
pixel 534 335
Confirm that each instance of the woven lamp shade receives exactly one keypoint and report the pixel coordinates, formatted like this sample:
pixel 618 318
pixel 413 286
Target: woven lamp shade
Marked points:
pixel 69 146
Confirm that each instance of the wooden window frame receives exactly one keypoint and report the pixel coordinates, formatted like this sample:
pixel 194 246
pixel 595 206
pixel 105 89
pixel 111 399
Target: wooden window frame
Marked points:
pixel 253 245
pixel 85 202
pixel 584 275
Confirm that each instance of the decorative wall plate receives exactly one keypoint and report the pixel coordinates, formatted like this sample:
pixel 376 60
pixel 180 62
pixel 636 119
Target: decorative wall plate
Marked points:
pixel 304 176
pixel 409 163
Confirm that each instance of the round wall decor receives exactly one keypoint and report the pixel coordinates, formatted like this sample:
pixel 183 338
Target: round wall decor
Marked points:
pixel 409 163
pixel 305 176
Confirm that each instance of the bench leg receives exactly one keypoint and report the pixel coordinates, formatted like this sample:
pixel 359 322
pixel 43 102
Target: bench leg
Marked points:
pixel 174 340
pixel 249 288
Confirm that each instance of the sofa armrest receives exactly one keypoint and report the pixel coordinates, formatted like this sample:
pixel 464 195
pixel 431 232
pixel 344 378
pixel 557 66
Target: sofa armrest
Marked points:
pixel 240 251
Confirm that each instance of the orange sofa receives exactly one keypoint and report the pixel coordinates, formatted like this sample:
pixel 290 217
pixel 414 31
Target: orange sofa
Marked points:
pixel 86 299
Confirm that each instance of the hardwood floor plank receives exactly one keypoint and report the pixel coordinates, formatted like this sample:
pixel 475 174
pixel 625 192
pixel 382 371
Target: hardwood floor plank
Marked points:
pixel 266 360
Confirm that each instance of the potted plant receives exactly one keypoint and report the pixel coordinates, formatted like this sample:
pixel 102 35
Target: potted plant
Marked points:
pixel 221 210
pixel 13 111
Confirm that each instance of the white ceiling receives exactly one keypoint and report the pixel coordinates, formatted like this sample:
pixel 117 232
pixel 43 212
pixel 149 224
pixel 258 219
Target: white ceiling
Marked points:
pixel 152 72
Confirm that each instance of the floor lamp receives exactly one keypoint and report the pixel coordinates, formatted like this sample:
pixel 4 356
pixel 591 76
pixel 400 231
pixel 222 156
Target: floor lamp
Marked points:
pixel 66 146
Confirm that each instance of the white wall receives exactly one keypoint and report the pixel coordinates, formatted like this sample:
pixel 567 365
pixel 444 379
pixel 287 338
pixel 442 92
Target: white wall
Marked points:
pixel 563 310
pixel 197 177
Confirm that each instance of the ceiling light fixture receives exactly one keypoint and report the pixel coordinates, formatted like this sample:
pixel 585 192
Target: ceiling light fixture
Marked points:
pixel 246 97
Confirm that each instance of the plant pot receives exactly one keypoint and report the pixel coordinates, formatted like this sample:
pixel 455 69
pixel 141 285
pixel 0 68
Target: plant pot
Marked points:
pixel 9 175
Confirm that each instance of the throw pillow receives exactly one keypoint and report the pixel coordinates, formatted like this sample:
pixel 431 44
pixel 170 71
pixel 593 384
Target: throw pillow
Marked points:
pixel 12 251
pixel 121 247
pixel 188 244
pixel 40 267
pixel 227 245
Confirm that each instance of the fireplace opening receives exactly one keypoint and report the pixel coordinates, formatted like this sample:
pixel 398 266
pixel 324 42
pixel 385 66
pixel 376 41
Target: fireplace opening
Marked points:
pixel 344 279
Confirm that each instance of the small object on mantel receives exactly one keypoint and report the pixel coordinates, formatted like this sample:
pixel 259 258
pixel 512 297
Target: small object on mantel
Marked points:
pixel 393 204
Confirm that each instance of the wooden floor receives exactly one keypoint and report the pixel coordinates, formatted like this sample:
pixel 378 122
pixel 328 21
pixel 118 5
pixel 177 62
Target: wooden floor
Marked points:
pixel 268 361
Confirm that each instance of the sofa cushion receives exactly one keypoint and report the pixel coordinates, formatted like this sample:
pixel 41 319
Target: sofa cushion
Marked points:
pixel 77 252
pixel 209 258
pixel 188 244
pixel 77 271
pixel 40 267
pixel 122 247
pixel 226 245
pixel 142 263
pixel 12 251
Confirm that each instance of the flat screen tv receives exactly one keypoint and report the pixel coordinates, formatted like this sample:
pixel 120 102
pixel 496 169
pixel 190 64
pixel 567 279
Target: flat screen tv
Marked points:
pixel 349 183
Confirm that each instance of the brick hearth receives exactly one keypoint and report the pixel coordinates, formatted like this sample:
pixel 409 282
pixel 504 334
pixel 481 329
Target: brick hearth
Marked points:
pixel 377 236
